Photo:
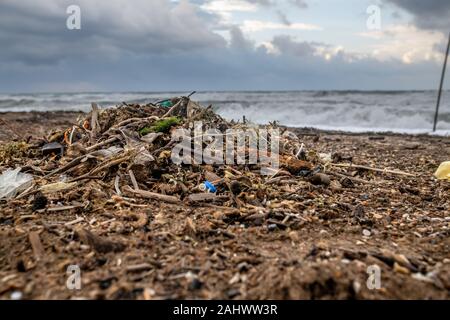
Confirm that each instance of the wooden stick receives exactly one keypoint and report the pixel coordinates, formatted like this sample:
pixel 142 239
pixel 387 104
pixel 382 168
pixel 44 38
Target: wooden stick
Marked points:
pixel 173 108
pixel 116 185
pixel 133 180
pixel 94 121
pixel 66 167
pixel 36 244
pixel 153 195
pixel 101 144
pixel 77 220
pixel 130 120
pixel 107 164
pixel 345 165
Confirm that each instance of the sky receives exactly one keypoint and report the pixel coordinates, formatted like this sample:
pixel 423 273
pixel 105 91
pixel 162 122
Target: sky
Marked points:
pixel 185 45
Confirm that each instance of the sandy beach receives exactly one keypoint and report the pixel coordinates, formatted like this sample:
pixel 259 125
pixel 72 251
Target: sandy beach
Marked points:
pixel 365 217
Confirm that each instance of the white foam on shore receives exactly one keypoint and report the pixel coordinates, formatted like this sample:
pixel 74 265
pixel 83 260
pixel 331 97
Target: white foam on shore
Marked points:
pixel 409 112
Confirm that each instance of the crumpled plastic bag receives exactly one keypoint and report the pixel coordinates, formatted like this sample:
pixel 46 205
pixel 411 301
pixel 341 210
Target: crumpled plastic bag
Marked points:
pixel 443 172
pixel 13 181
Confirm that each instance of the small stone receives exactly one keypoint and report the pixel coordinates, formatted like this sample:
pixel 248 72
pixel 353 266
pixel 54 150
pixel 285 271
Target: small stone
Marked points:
pixel 232 293
pixel 347 183
pixel 320 179
pixel 366 233
pixel 272 227
pixel 335 185
pixel 40 201
pixel 377 216
pixel 16 295
pixel 195 284
pixel 294 236
pixel 356 286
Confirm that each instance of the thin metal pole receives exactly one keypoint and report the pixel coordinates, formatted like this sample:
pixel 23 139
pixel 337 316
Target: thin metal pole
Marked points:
pixel 440 86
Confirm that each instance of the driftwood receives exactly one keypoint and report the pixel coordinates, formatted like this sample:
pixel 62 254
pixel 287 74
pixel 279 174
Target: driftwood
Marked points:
pixel 133 179
pixel 101 144
pixel 153 195
pixel 198 197
pixel 94 122
pixel 36 245
pixel 357 166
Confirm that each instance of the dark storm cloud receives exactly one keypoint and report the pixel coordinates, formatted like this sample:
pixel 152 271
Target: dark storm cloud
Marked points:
pixel 428 14
pixel 35 32
pixel 163 45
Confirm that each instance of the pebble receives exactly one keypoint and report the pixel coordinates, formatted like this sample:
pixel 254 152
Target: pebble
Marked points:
pixel 356 286
pixel 320 179
pixel 16 295
pixel 294 236
pixel 195 284
pixel 366 233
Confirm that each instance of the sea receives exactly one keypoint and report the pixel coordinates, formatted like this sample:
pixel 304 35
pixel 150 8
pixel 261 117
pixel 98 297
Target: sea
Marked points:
pixel 355 111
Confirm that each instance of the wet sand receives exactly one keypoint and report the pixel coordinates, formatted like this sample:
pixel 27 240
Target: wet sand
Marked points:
pixel 364 218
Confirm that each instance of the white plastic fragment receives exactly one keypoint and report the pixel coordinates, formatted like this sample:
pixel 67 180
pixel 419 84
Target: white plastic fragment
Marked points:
pixel 13 181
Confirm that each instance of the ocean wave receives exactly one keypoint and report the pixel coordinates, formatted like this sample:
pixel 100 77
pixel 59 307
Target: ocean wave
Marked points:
pixel 398 111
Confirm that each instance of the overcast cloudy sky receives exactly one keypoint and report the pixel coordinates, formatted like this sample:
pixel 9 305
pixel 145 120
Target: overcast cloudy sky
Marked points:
pixel 152 45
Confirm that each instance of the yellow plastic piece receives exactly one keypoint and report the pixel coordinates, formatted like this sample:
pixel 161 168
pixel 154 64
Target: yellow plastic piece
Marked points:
pixel 443 172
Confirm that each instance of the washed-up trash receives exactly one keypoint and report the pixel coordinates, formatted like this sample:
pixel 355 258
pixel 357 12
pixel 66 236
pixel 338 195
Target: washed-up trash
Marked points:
pixel 14 181
pixel 166 103
pixel 208 186
pixel 53 148
pixel 443 172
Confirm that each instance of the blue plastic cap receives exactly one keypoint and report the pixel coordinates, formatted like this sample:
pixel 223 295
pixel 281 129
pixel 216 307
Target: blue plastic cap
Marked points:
pixel 210 187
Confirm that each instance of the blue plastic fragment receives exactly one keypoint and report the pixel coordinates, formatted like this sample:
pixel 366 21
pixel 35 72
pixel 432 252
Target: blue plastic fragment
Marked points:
pixel 209 186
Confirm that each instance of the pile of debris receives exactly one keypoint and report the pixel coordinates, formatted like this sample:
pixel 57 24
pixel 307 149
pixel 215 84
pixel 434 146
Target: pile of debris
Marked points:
pixel 126 151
